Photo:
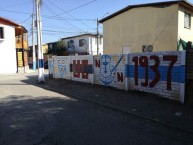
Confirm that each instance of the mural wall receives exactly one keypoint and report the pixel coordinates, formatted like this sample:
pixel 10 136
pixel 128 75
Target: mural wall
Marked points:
pixel 77 45
pixel 62 67
pixel 109 70
pixel 161 73
pixel 81 68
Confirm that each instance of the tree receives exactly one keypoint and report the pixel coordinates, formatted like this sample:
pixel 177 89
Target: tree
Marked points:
pixel 59 48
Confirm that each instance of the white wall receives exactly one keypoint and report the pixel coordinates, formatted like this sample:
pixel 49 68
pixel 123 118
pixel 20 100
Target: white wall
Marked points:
pixel 8 62
pixel 93 46
pixel 90 47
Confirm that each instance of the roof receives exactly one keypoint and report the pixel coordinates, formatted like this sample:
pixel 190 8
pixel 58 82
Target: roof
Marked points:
pixel 181 2
pixel 8 22
pixel 85 34
pixel 18 28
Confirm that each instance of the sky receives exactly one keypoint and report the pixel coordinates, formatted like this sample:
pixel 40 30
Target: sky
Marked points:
pixel 64 18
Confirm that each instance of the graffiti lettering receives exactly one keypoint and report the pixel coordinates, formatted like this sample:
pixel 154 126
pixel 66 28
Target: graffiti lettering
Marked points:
pixel 84 67
pixel 156 71
pixel 135 60
pixel 76 68
pixel 61 68
pixel 97 63
pixel 173 60
pixel 143 62
pixel 120 77
pixel 81 67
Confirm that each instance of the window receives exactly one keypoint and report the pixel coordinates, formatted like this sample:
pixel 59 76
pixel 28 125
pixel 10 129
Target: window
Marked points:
pixel 1 33
pixel 81 42
pixel 147 48
pixel 187 20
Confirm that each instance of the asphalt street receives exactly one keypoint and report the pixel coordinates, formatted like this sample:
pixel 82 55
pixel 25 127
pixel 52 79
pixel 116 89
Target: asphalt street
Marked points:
pixel 32 115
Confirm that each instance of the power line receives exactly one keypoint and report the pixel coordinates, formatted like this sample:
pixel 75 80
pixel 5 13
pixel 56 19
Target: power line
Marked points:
pixel 76 7
pixel 47 16
pixel 66 21
pixel 56 31
pixel 69 19
pixel 26 19
pixel 15 12
pixel 67 13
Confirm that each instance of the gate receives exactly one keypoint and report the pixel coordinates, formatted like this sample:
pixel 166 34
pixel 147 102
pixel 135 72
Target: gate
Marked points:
pixel 189 73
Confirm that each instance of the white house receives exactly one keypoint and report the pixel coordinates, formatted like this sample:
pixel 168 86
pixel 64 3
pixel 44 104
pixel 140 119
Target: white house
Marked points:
pixel 84 44
pixel 8 63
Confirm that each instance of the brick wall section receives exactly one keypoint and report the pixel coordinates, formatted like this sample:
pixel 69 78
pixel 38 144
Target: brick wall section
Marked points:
pixel 109 70
pixel 161 73
pixel 81 68
pixel 61 67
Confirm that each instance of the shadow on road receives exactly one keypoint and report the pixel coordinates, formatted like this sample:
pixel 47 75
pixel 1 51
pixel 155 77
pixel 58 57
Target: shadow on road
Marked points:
pixel 26 120
pixel 147 106
pixel 114 117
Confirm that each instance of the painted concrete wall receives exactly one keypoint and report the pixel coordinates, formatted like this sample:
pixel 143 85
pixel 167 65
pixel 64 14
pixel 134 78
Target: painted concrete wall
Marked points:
pixel 81 68
pixel 161 73
pixel 8 62
pixel 184 33
pixel 142 26
pixel 109 70
pixel 61 67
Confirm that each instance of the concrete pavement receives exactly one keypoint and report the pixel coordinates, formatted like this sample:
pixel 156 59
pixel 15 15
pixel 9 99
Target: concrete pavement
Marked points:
pixel 62 112
pixel 144 105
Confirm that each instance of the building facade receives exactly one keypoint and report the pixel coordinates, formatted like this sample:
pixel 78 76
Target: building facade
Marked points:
pixel 148 27
pixel 10 42
pixel 84 44
pixel 22 49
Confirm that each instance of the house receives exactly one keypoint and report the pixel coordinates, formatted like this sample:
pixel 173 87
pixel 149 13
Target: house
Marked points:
pixel 13 47
pixel 52 46
pixel 22 49
pixel 44 49
pixel 148 27
pixel 84 44
pixel 30 53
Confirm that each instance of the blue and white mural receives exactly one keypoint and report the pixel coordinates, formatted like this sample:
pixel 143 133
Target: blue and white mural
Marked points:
pixel 109 70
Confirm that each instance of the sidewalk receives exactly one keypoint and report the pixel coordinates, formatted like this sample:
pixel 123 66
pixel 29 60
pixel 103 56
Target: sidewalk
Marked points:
pixel 146 106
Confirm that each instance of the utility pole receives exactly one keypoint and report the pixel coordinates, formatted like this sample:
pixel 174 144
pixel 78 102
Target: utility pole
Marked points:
pixel 34 51
pixel 39 43
pixel 97 36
